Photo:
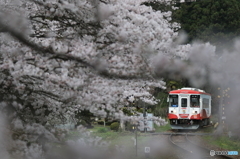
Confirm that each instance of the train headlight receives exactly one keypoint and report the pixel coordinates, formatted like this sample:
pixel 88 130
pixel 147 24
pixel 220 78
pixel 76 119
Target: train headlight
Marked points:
pixel 173 111
pixel 194 112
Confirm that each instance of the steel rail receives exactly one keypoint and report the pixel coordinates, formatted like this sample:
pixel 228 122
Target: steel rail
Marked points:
pixel 177 145
pixel 189 134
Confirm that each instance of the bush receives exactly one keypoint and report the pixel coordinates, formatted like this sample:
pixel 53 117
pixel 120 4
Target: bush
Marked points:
pixel 102 130
pixel 109 122
pixel 114 126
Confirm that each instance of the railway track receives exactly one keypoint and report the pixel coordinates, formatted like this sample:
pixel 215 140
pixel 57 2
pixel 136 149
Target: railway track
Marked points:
pixel 180 133
pixel 191 150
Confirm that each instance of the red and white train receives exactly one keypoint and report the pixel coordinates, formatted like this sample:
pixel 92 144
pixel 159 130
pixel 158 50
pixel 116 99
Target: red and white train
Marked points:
pixel 189 108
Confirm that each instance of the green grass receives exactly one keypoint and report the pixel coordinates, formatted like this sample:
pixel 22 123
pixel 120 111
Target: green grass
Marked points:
pixel 97 127
pixel 106 135
pixel 208 129
pixel 162 128
pixel 109 135
pixel 223 142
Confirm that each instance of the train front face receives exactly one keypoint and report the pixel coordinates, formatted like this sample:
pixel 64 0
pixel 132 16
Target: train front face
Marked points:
pixel 184 111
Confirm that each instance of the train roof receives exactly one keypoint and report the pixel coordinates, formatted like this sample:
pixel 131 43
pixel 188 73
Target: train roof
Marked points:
pixel 188 91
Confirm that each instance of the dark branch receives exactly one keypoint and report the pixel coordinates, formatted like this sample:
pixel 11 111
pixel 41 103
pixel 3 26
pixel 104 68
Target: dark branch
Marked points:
pixel 41 50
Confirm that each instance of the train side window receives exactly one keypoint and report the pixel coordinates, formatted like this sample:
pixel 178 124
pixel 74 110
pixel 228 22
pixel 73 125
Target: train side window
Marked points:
pixel 205 103
pixel 184 102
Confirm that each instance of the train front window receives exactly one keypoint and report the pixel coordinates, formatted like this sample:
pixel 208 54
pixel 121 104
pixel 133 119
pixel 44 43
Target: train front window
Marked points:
pixel 173 100
pixel 194 100
pixel 184 102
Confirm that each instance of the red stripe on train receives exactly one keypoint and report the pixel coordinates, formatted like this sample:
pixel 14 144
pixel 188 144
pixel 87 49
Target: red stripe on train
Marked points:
pixel 184 115
pixel 172 116
pixel 200 116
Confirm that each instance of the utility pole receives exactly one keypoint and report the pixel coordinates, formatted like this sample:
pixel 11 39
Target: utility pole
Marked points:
pixel 136 137
pixel 222 114
pixel 220 118
pixel 225 101
pixel 145 118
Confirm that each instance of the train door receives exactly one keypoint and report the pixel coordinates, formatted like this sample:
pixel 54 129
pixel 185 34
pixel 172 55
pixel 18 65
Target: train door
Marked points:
pixel 195 105
pixel 184 110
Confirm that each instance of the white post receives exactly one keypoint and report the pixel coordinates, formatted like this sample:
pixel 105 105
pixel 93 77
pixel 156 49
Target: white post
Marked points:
pixel 122 126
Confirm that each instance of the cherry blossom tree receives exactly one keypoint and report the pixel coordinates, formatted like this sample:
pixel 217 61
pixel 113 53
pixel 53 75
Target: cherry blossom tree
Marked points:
pixel 61 57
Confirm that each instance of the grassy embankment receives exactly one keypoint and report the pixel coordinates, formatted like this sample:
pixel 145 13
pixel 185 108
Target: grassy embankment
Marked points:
pixel 223 142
